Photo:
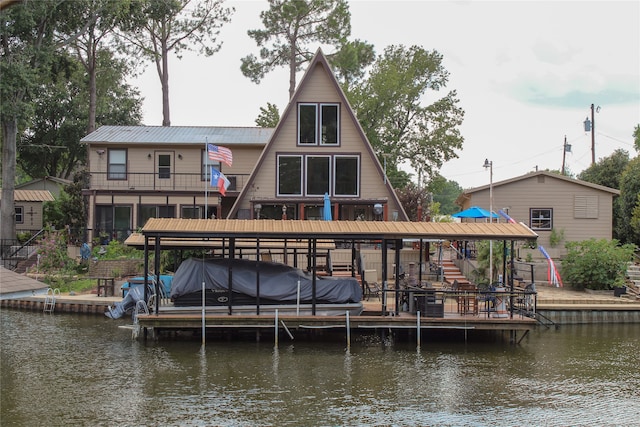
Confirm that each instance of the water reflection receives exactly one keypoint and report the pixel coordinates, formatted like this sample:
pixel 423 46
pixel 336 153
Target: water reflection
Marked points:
pixel 82 370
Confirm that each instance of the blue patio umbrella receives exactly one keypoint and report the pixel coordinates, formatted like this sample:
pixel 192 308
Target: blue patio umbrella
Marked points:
pixel 474 212
pixel 326 212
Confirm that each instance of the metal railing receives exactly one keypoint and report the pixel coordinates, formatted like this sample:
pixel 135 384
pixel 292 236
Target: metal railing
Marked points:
pixel 146 181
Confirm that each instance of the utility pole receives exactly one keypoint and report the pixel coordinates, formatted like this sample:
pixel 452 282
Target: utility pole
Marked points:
pixel 591 126
pixel 565 149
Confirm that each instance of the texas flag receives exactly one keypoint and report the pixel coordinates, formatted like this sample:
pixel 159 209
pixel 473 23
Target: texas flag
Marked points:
pixel 219 180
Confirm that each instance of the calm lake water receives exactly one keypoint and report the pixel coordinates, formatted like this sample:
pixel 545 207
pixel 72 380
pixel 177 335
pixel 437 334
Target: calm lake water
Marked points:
pixel 68 370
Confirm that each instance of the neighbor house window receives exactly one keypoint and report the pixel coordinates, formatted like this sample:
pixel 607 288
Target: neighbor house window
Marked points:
pixel 19 214
pixel 164 166
pixel 346 176
pixel 318 176
pixel 541 219
pixel 117 168
pixel 585 206
pixel 318 124
pixel 289 175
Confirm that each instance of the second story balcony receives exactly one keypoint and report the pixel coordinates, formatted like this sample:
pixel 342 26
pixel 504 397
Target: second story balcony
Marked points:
pixel 141 181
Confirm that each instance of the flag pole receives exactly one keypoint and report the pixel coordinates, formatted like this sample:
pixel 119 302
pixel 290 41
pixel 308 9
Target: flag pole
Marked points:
pixel 207 172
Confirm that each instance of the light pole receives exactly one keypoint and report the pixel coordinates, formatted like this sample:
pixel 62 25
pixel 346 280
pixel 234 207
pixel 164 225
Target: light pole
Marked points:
pixel 489 164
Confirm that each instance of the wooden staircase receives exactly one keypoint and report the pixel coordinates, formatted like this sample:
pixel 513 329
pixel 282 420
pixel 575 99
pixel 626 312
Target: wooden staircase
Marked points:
pixel 451 273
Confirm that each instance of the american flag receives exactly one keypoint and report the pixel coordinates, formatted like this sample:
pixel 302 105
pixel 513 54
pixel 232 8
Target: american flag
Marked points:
pixel 221 154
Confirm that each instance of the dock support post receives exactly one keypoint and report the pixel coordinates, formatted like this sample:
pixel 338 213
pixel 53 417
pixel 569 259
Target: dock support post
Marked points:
pixel 276 331
pixel 348 333
pixel 418 327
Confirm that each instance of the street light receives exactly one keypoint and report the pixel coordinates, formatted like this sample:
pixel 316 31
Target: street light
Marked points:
pixel 489 164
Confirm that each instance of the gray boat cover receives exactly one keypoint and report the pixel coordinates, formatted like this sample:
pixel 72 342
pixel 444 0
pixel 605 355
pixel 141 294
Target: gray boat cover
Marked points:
pixel 278 282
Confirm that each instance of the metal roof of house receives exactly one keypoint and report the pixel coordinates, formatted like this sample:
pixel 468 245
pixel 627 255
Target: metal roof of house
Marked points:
pixel 543 173
pixel 179 135
pixel 203 229
pixel 32 196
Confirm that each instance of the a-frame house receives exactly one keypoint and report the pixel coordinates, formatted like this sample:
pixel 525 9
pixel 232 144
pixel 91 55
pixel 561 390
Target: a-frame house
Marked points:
pixel 318 149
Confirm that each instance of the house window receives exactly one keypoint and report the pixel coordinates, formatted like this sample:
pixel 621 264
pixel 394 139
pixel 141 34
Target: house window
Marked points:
pixel 155 211
pixel 318 175
pixel 19 214
pixel 117 168
pixel 191 212
pixel 330 124
pixel 164 166
pixel 541 219
pixel 205 169
pixel 289 175
pixel 585 207
pixel 113 222
pixel 307 119
pixel 326 125
pixel 346 176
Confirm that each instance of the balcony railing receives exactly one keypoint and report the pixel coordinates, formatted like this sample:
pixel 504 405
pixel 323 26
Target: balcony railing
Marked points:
pixel 141 181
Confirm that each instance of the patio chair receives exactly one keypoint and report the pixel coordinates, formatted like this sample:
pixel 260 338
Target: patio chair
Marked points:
pixel 372 289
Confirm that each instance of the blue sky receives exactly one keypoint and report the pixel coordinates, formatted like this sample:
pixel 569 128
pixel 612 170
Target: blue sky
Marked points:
pixel 526 74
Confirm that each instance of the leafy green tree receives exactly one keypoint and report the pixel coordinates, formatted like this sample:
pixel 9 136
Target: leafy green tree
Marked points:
pixel 392 107
pixel 27 44
pixel 607 170
pixel 159 27
pixel 411 197
pixel 445 192
pixel 104 17
pixel 351 61
pixel 636 138
pixel 51 143
pixel 635 218
pixel 269 116
pixel 290 26
pixel 596 264
pixel 69 210
pixel 629 191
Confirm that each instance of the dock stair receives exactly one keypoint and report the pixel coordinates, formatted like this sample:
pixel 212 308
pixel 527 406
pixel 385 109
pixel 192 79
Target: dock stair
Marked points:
pixel 452 273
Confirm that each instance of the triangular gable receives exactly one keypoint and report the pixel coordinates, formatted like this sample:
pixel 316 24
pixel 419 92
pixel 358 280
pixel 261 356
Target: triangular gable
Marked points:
pixel 319 60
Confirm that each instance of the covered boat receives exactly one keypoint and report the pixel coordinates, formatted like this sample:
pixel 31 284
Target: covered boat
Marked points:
pixel 276 285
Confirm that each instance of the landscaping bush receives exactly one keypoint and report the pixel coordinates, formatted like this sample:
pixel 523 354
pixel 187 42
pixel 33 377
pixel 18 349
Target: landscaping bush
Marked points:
pixel 596 264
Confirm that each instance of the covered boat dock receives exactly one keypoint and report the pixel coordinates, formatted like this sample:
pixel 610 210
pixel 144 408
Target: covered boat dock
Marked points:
pixel 250 238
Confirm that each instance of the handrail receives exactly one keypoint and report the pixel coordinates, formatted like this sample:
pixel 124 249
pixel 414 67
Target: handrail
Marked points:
pixel 465 260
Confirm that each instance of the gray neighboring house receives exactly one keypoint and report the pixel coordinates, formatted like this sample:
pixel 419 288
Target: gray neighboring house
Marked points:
pixel 550 204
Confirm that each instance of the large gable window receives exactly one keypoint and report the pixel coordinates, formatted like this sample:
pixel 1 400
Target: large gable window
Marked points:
pixel 318 175
pixel 117 168
pixel 346 176
pixel 318 124
pixel 289 175
pixel 541 219
pixel 330 126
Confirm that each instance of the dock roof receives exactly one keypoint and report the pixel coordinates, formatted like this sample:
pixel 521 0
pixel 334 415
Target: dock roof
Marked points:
pixel 202 229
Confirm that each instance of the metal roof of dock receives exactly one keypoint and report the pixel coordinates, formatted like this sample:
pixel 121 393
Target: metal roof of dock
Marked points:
pixel 202 229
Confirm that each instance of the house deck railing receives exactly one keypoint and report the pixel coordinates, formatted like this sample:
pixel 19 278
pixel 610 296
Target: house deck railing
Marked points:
pixel 154 181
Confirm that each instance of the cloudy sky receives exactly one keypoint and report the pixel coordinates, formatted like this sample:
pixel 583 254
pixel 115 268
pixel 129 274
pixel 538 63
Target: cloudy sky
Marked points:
pixel 526 74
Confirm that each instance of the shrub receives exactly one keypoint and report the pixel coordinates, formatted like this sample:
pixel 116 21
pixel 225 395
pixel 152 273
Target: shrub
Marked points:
pixel 596 264
pixel 52 253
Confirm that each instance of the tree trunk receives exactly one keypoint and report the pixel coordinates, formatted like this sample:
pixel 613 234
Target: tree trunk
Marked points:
pixel 164 78
pixel 93 91
pixel 7 207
